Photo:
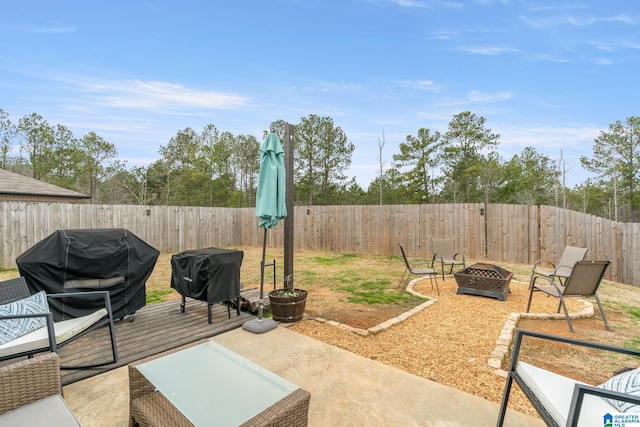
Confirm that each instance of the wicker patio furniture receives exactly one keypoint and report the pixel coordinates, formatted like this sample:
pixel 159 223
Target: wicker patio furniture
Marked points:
pixel 31 394
pixel 149 407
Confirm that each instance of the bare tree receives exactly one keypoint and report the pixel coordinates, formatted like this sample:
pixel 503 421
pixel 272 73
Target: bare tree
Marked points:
pixel 381 180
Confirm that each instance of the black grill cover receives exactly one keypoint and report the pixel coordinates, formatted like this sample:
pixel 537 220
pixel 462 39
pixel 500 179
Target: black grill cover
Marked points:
pixel 89 260
pixel 211 274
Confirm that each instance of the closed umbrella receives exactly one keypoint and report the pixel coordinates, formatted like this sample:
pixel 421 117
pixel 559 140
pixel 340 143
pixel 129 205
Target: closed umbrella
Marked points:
pixel 270 209
pixel 270 198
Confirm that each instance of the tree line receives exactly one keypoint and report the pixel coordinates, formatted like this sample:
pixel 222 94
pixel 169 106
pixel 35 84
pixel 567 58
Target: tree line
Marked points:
pixel 216 168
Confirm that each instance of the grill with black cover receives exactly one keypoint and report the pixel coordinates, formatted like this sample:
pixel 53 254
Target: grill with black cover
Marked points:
pixel 111 259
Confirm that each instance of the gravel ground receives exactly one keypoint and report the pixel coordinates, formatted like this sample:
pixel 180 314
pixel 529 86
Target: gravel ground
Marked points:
pixel 449 342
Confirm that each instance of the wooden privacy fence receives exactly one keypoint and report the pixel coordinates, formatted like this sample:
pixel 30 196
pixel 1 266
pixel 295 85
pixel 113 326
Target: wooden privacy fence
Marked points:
pixel 501 233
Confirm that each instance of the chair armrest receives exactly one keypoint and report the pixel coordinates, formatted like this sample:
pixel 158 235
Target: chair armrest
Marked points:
pixel 421 261
pixel 559 268
pixel 459 254
pixel 46 315
pixel 522 333
pixel 581 390
pixel 538 262
pixel 53 346
pixel 551 281
pixel 29 380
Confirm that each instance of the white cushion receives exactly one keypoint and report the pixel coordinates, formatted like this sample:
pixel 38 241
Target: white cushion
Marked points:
pixel 11 329
pixel 51 411
pixel 627 383
pixel 63 330
pixel 555 392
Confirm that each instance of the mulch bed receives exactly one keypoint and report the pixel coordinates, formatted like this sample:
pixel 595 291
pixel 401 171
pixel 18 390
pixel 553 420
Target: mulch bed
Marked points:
pixel 449 342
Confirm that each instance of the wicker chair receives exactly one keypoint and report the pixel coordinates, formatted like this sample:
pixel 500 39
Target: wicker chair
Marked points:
pixel 31 394
pixel 54 334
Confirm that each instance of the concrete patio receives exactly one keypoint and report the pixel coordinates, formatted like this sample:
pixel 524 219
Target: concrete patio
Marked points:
pixel 346 389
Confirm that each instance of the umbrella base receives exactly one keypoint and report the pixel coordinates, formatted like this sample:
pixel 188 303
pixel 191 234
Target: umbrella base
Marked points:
pixel 259 326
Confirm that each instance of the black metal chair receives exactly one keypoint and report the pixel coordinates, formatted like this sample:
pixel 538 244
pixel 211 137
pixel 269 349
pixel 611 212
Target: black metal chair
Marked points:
pixel 54 334
pixel 558 399
pixel 414 267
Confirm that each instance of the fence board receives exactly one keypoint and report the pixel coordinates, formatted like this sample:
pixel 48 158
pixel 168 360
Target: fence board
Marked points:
pixel 512 233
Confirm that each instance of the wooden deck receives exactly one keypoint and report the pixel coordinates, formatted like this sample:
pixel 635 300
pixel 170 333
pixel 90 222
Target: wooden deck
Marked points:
pixel 155 328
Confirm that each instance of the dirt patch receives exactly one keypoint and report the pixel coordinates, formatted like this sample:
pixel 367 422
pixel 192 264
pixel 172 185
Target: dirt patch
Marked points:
pixel 359 316
pixel 332 306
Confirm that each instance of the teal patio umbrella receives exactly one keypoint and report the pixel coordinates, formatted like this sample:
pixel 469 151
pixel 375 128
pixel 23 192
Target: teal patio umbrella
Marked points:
pixel 270 209
pixel 270 198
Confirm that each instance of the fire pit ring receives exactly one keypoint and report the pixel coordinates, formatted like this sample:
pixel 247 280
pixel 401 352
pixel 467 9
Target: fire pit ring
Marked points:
pixel 484 279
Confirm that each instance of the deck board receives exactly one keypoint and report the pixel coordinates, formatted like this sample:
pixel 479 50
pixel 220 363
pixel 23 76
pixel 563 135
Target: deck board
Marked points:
pixel 155 328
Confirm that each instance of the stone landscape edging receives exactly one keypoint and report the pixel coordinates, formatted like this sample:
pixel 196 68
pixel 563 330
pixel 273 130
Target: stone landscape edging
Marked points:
pixel 496 359
pixel 374 330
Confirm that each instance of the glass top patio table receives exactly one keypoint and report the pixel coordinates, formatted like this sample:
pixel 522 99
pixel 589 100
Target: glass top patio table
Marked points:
pixel 209 384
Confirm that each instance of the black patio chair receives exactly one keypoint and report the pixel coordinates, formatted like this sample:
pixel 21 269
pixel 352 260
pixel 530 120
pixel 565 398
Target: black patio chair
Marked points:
pixel 563 401
pixel 18 305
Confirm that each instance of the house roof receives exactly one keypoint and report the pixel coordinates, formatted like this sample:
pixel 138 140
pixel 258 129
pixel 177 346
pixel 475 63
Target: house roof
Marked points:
pixel 13 183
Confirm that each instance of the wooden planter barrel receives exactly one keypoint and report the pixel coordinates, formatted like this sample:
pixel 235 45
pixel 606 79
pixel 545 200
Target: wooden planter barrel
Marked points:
pixel 287 309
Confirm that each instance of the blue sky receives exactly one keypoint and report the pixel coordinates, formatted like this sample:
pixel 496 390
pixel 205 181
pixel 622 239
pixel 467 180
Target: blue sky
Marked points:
pixel 549 74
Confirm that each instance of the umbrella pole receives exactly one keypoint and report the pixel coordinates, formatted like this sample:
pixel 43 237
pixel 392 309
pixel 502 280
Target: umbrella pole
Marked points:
pixel 264 253
pixel 260 325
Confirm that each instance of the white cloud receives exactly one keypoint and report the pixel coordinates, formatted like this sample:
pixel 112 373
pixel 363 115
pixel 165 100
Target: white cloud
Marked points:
pixel 575 21
pixel 420 84
pixel 56 28
pixel 430 4
pixel 579 21
pixel 329 87
pixel 607 47
pixel 154 95
pixel 551 58
pixel 409 3
pixel 483 2
pixel 478 97
pixel 548 137
pixel 488 50
pixel 444 35
pixel 613 46
pixel 603 61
